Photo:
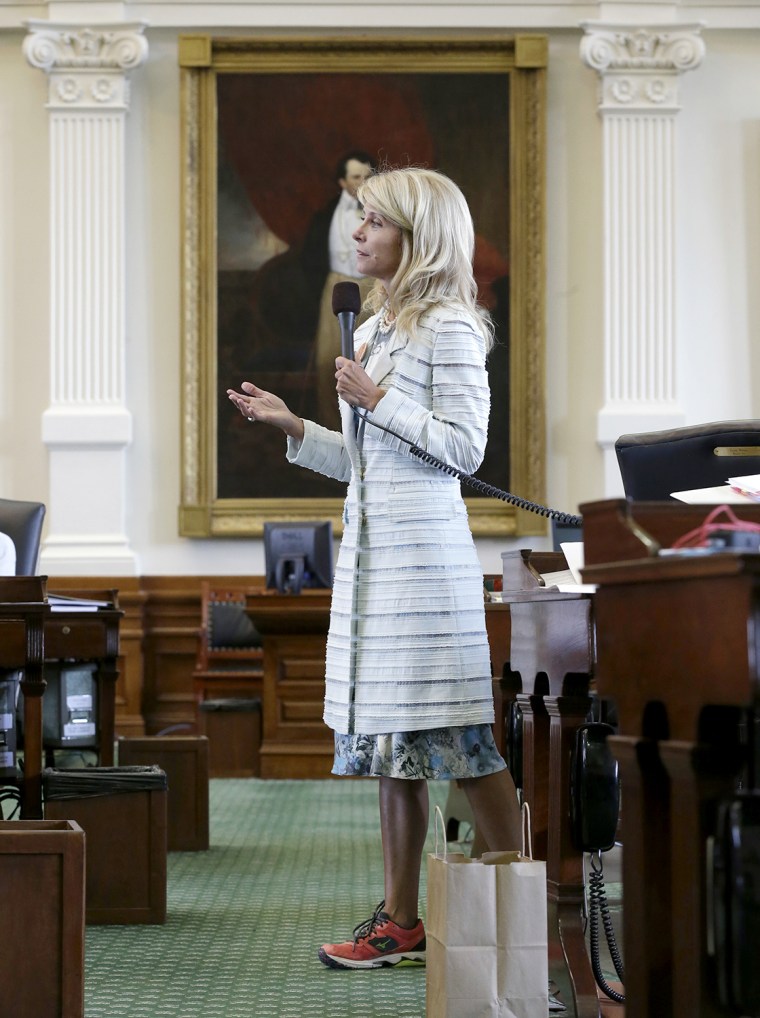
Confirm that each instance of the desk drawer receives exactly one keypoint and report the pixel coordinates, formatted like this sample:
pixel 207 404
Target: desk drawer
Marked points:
pixel 83 638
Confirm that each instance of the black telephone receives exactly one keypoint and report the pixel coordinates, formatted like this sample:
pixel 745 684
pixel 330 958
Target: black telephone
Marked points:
pixel 514 743
pixel 594 789
pixel 734 926
pixel 594 809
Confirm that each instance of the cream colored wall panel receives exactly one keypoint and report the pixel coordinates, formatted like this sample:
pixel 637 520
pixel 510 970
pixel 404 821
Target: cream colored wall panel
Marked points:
pixel 24 272
pixel 717 231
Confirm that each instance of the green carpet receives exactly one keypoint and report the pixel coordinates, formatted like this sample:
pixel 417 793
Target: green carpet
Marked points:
pixel 292 864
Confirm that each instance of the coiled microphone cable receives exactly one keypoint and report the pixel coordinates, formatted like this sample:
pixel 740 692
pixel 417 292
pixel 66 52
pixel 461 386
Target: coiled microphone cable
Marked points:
pixel 565 519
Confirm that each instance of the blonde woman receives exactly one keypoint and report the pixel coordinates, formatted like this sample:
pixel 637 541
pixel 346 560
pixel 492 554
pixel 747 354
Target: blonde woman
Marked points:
pixel 408 675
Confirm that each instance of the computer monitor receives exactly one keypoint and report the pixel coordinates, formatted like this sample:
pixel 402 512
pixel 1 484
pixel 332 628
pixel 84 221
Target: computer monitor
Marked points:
pixel 298 555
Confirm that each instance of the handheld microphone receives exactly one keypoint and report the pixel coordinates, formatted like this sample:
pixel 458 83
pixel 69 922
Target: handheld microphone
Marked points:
pixel 346 304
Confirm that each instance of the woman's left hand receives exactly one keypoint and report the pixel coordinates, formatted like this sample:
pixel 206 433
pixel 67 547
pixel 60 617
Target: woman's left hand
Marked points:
pixel 355 386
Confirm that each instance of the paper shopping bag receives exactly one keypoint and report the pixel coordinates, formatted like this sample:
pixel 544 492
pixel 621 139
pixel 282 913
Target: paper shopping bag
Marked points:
pixel 487 950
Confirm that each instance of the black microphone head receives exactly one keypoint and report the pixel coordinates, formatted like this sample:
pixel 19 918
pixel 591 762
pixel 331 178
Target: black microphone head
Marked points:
pixel 346 297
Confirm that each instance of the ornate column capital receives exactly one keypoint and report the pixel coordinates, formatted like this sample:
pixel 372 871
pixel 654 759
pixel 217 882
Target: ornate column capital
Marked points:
pixel 87 65
pixel 55 46
pixel 639 66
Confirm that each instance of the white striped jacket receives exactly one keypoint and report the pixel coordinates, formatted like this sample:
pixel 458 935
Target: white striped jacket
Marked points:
pixel 407 647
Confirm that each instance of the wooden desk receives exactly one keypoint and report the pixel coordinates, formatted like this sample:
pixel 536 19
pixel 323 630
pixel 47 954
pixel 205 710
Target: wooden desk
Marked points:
pixel 91 636
pixel 31 633
pixel 617 530
pixel 552 660
pixel 295 742
pixel 23 611
pixel 676 651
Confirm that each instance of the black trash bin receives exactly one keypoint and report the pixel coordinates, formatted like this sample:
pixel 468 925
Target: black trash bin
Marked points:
pixel 233 727
pixel 122 811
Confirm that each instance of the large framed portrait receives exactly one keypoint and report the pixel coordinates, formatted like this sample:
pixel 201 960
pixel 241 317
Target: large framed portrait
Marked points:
pixel 269 126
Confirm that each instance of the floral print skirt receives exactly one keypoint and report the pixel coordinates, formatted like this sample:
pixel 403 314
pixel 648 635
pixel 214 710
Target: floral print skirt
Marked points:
pixel 468 751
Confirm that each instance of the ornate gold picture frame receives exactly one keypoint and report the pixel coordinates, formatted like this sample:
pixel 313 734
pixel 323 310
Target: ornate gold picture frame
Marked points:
pixel 265 124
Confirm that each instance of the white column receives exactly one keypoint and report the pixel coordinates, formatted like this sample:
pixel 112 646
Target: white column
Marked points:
pixel 87 426
pixel 639 71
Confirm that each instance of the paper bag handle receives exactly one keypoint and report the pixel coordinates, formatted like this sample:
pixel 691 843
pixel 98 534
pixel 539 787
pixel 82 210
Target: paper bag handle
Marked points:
pixel 527 837
pixel 439 816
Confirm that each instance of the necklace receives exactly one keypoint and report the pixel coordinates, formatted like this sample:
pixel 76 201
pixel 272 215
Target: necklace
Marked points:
pixel 387 319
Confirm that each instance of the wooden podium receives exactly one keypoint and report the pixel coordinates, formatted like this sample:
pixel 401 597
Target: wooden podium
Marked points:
pixel 295 741
pixel 677 651
pixel 30 633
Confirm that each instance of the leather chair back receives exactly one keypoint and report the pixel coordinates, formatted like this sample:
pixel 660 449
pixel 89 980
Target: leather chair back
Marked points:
pixel 22 522
pixel 655 463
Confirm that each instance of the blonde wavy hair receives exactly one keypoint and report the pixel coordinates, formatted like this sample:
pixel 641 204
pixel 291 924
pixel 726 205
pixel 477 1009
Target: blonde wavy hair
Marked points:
pixel 437 246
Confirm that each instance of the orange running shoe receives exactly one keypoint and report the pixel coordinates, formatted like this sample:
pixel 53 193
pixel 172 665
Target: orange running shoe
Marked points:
pixel 376 943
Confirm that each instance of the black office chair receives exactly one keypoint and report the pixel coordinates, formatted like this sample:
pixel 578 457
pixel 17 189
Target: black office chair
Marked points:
pixel 655 463
pixel 22 522
pixel 230 655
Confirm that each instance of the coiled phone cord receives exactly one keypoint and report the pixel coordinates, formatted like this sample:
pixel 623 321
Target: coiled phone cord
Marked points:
pixel 566 519
pixel 597 906
pixel 10 795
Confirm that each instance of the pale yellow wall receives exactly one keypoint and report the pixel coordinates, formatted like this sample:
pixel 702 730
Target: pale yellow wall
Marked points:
pixel 24 274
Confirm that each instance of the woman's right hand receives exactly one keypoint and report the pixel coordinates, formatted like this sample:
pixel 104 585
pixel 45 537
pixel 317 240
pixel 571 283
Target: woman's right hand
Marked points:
pixel 258 405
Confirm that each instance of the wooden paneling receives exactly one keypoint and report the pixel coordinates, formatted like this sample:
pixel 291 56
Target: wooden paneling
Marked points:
pixel 296 742
pixel 171 623
pixel 159 643
pixel 129 687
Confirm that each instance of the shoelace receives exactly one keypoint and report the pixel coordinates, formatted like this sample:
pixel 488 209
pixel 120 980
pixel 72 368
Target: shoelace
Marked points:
pixel 365 929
